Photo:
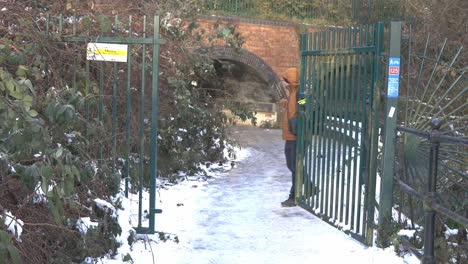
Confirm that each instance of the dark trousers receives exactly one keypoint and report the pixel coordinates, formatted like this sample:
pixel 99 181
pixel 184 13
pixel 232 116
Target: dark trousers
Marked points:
pixel 290 152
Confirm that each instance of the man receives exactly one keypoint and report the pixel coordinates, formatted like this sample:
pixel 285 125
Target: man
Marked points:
pixel 290 83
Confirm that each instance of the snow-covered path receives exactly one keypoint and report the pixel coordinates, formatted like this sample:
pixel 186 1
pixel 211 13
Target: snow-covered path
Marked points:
pixel 236 217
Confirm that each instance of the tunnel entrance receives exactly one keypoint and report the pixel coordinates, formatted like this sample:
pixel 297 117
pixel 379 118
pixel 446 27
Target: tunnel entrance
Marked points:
pixel 246 87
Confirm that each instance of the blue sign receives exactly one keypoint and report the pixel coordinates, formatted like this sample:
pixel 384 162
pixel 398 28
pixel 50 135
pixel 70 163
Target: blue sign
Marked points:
pixel 393 77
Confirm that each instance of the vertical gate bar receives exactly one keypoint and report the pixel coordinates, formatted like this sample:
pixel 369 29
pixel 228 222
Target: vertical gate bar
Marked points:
pixel 360 128
pixel 299 177
pixel 329 120
pixel 353 126
pixel 328 92
pixel 369 182
pixel 431 193
pixel 308 118
pixel 142 128
pixel 307 135
pixel 332 122
pixel 114 113
pixel 337 125
pixel 154 124
pixel 322 85
pixel 331 149
pixel 128 110
pixel 302 132
pixel 311 103
pixel 356 102
pixel 375 97
pixel 388 167
pixel 348 141
pixel 315 95
pixel 325 145
pixel 323 149
pixel 101 107
pixel 341 128
pixel 345 66
pixel 365 140
pixel 114 116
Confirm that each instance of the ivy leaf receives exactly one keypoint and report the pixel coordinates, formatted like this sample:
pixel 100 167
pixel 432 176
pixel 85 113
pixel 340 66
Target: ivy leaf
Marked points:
pixel 69 113
pixel 22 71
pixel 27 84
pixel 14 255
pixel 76 173
pixel 58 153
pixel 13 90
pixel 45 185
pixel 28 101
pixel 31 176
pixel 127 258
pixel 33 113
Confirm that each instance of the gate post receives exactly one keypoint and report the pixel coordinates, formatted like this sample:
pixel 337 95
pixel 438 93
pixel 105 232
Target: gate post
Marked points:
pixel 154 128
pixel 429 223
pixel 388 166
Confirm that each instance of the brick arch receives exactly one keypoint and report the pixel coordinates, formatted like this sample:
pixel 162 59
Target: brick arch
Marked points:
pixel 263 70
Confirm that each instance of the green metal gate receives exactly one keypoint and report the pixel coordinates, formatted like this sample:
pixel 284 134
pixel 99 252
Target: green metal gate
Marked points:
pixel 105 53
pixel 338 126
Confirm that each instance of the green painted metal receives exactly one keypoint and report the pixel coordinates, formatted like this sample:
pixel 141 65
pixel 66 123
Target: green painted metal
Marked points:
pixel 126 146
pixel 128 111
pixel 336 126
pixel 142 128
pixel 114 110
pixel 113 40
pixel 154 124
pixel 386 196
pixel 431 146
pixel 374 129
pixel 101 107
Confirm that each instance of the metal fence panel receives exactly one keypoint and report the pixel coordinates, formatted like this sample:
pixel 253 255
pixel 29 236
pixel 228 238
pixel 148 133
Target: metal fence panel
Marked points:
pixel 133 158
pixel 340 79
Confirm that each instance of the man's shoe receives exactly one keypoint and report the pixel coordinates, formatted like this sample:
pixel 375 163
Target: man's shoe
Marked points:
pixel 289 203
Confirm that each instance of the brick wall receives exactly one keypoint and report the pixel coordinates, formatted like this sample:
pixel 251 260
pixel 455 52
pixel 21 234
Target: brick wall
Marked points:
pixel 277 43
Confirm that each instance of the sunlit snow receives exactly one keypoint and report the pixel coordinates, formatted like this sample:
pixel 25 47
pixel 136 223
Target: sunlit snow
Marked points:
pixel 235 217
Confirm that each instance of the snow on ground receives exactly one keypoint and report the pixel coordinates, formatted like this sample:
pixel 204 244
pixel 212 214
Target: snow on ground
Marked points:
pixel 13 224
pixel 236 217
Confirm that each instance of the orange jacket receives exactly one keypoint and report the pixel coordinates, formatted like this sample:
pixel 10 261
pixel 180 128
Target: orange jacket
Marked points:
pixel 289 105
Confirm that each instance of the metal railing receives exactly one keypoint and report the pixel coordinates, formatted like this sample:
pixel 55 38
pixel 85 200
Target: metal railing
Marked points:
pixel 335 11
pixel 103 73
pixel 301 10
pixel 426 191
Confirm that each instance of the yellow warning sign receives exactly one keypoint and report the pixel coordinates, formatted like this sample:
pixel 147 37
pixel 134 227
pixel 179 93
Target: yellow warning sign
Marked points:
pixel 107 52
